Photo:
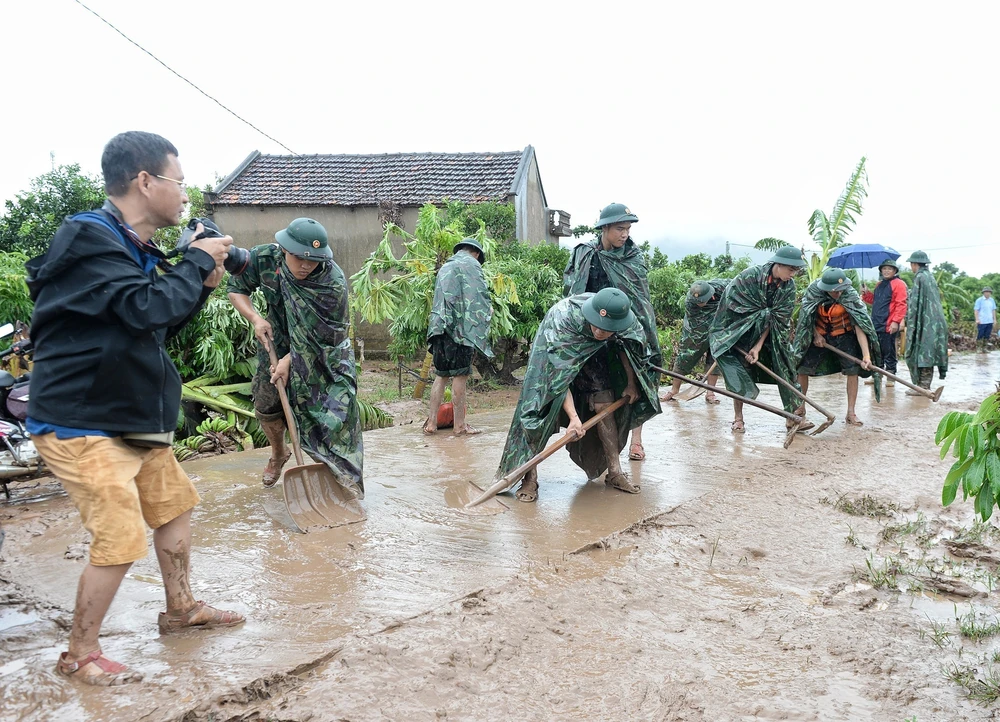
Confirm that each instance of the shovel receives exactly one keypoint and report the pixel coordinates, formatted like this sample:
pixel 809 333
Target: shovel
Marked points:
pixel 932 395
pixel 798 420
pixel 693 391
pixel 830 418
pixel 509 480
pixel 314 497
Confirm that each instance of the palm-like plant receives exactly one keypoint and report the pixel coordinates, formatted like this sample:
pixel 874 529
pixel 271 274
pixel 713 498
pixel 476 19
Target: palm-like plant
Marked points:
pixel 953 296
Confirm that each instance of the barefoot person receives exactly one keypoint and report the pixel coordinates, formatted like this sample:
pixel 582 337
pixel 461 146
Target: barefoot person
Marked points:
pixel 699 308
pixel 833 314
pixel 105 395
pixel 755 316
pixel 926 327
pixel 308 324
pixel 614 261
pixel 460 324
pixel 561 389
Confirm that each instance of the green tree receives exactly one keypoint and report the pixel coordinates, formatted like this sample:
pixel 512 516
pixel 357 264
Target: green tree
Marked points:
pixel 500 219
pixel 14 298
pixel 32 218
pixel 949 267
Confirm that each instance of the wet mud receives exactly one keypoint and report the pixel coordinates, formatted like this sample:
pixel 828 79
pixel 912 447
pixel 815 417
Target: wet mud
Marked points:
pixel 733 587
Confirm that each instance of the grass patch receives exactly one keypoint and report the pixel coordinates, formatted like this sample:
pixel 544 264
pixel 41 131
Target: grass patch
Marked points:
pixel 884 576
pixel 864 505
pixel 911 528
pixel 973 627
pixel 981 685
pixel 979 533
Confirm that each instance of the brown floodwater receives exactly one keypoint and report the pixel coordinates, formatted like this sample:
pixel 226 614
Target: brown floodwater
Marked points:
pixel 304 592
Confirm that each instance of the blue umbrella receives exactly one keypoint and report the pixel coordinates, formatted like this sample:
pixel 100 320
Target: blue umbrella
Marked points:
pixel 861 255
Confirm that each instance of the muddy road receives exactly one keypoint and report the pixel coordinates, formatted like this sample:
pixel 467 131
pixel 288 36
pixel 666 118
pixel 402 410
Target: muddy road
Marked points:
pixel 822 582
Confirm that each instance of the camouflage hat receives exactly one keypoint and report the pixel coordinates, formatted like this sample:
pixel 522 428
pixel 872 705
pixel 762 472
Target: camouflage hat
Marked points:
pixel 918 257
pixel 833 279
pixel 889 262
pixel 609 310
pixel 472 245
pixel 615 213
pixel 789 256
pixel 306 239
pixel 701 292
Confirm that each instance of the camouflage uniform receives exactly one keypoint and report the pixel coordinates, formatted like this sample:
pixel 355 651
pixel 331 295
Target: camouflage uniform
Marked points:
pixel 563 344
pixel 311 318
pixel 694 336
pixel 460 316
pixel 926 331
pixel 752 303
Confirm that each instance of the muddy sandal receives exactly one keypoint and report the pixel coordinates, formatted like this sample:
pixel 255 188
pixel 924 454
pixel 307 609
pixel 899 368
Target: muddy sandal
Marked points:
pixel 738 427
pixel 272 472
pixel 216 618
pixel 528 491
pixel 469 431
pixel 636 452
pixel 621 482
pixel 710 398
pixel 853 421
pixel 669 396
pixel 113 674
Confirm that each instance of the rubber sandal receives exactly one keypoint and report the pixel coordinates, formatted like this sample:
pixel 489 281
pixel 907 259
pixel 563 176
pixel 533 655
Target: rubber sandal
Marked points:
pixel 621 482
pixel 113 674
pixel 738 427
pixel 636 452
pixel 710 398
pixel 272 472
pixel 218 618
pixel 527 492
pixel 469 431
pixel 669 396
pixel 856 422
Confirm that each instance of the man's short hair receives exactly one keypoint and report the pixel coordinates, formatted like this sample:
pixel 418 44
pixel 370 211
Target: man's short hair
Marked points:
pixel 128 153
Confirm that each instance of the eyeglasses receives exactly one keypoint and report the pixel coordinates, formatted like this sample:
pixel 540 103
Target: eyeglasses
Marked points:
pixel 182 184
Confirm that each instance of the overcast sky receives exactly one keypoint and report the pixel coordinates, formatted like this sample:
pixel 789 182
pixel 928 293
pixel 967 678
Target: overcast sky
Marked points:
pixel 712 121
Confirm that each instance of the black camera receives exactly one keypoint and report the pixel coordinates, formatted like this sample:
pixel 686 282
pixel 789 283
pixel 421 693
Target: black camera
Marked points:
pixel 238 258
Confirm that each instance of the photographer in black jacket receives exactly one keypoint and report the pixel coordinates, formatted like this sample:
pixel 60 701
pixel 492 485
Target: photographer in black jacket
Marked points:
pixel 105 394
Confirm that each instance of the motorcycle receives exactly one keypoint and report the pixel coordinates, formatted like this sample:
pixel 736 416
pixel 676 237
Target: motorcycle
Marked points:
pixel 18 456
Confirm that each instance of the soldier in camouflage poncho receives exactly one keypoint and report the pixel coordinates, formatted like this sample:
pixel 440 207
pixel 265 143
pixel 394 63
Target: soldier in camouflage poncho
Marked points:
pixel 613 261
pixel 459 324
pixel 926 327
pixel 307 323
pixel 832 314
pixel 755 316
pixel 557 391
pixel 699 309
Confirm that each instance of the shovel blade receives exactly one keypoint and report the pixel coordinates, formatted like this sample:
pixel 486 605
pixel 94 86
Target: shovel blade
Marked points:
pixel 316 500
pixel 690 393
pixel 823 427
pixel 459 497
pixel 937 393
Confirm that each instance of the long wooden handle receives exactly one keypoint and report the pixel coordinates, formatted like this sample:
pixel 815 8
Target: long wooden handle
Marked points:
pixel 731 394
pixel 894 377
pixel 289 419
pixel 789 386
pixel 548 451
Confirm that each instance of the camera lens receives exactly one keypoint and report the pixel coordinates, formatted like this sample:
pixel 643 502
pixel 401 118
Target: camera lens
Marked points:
pixel 237 260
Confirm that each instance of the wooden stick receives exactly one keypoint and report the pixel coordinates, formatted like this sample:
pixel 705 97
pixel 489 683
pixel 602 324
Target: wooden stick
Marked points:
pixel 790 386
pixel 293 432
pixel 507 481
pixel 932 395
pixel 733 395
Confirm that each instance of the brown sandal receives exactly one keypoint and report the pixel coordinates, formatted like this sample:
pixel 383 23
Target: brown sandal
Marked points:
pixel 528 491
pixel 621 482
pixel 710 398
pixel 636 452
pixel 217 618
pixel 113 674
pixel 272 472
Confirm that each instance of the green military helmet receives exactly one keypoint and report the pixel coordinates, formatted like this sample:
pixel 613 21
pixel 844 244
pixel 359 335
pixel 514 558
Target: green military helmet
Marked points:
pixel 609 310
pixel 789 256
pixel 918 257
pixel 833 279
pixel 472 245
pixel 305 239
pixel 615 213
pixel 889 262
pixel 987 290
pixel 701 292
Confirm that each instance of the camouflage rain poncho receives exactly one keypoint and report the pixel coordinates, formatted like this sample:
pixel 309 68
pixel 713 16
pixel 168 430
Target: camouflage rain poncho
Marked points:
pixel 926 328
pixel 626 269
pixel 749 306
pixel 323 386
pixel 694 336
pixel 561 347
pixel 815 297
pixel 461 306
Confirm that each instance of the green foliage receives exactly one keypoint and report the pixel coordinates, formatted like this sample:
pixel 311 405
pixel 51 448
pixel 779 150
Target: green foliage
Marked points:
pixel 500 219
pixel 373 417
pixel 972 439
pixel 218 342
pixel 14 298
pixel 770 244
pixel 30 220
pixel 954 298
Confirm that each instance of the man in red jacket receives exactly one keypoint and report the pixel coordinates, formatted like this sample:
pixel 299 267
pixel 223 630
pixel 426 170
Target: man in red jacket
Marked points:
pixel 888 311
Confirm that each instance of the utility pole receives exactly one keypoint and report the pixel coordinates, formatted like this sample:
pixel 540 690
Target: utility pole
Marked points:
pixel 727 248
pixel 52 158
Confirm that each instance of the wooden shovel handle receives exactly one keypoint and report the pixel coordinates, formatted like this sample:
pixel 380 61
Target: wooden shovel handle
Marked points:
pixel 888 375
pixel 548 451
pixel 789 386
pixel 731 394
pixel 286 407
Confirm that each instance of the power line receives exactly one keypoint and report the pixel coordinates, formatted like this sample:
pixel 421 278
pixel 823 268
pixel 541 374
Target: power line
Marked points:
pixel 214 100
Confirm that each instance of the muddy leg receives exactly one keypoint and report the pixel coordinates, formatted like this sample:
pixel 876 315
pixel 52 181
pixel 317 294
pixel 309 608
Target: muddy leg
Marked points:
pixel 607 432
pixel 172 542
pixel 738 426
pixel 273 427
pixel 458 387
pixel 675 386
pixel 94 593
pixel 437 396
pixel 852 397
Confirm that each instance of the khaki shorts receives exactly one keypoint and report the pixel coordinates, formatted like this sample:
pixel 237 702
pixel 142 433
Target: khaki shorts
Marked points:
pixel 115 487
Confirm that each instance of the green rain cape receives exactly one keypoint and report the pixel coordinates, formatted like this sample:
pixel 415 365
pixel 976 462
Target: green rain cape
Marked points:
pixel 626 269
pixel 694 333
pixel 561 347
pixel 461 306
pixel 926 328
pixel 744 314
pixel 815 297
pixel 323 388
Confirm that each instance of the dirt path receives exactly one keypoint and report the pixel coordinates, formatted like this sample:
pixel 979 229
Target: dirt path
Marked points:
pixel 751 583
